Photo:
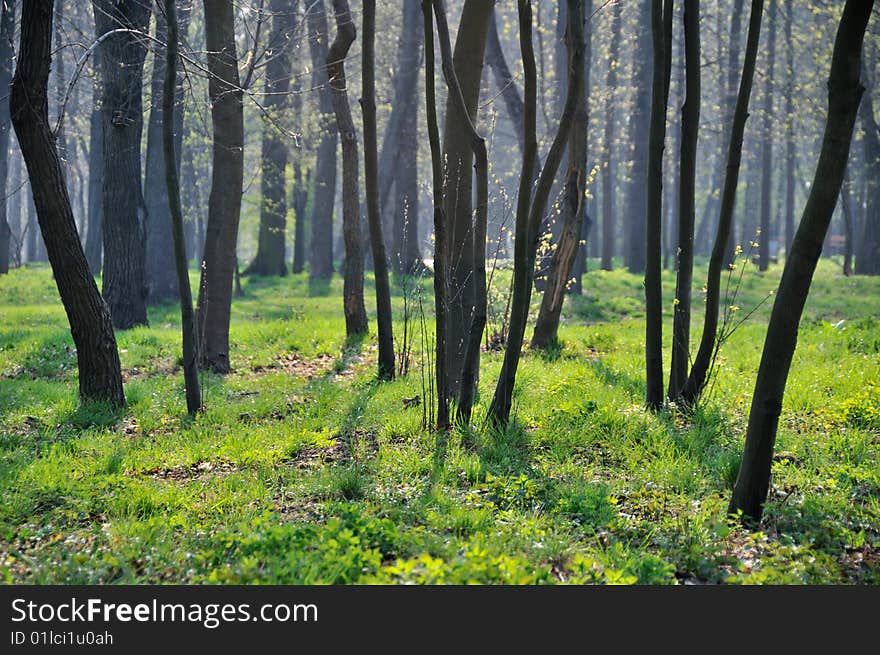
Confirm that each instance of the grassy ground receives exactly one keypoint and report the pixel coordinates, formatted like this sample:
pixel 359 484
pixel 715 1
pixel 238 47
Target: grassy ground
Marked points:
pixel 303 469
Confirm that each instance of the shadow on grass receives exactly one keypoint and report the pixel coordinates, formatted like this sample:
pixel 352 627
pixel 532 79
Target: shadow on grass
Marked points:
pixel 635 387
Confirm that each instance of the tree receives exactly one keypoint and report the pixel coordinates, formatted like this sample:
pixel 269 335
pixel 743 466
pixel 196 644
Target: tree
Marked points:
pixel 767 143
pixel 844 94
pixel 7 52
pixel 172 183
pixel 371 173
pixel 120 26
pixel 227 175
pixel 94 235
pixel 608 154
pixel 641 125
pixel 353 276
pixel 789 128
pixel 868 248
pixel 100 375
pixel 708 341
pixel 690 127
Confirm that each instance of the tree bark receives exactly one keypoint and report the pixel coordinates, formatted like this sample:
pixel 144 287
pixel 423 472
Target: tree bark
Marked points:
pixel 868 248
pixel 95 231
pixel 608 156
pixel 844 93
pixel 789 128
pixel 767 145
pixel 371 173
pixel 7 52
pixel 702 362
pixel 321 255
pixel 124 230
pixel 690 129
pixel 353 276
pixel 100 376
pixel 227 176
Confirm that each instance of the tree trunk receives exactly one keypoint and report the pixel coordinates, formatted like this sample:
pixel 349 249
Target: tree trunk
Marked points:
pixel 458 158
pixel 868 247
pixel 789 128
pixel 705 355
pixel 161 278
pixel 848 225
pixel 529 214
pixel 7 52
pixel 573 203
pixel 100 376
pixel 371 172
pixel 608 162
pixel 122 65
pixel 353 282
pixel 94 233
pixel 227 176
pixel 321 256
pixel 767 145
pixel 170 141
pixel 844 94
pixel 271 246
pixel 690 128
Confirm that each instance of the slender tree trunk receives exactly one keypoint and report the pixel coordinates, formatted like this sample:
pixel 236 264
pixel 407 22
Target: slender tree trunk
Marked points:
pixel 608 156
pixel 690 128
pixel 407 257
pixel 441 258
pixel 122 64
pixel 94 233
pixel 321 256
pixel 271 245
pixel 789 128
pixel 353 283
pixel 868 247
pixel 848 225
pixel 100 376
pixel 844 94
pixel 573 204
pixel 641 124
pixel 702 362
pixel 529 214
pixel 767 145
pixel 7 52
pixel 227 176
pixel 371 172
pixel 170 142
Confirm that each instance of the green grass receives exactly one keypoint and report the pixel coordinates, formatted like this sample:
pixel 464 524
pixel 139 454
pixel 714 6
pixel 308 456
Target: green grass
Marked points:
pixel 303 469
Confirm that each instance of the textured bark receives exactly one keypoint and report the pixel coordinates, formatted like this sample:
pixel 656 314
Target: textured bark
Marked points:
pixel 641 125
pixel 161 278
pixel 7 52
pixel 717 261
pixel 95 230
pixel 371 173
pixel 441 257
pixel 170 142
pixel 321 255
pixel 227 174
pixel 353 274
pixel 573 203
pixel 767 143
pixel 122 66
pixel 868 247
pixel 458 157
pixel 271 244
pixel 690 128
pixel 608 156
pixel 529 214
pixel 844 94
pixel 100 376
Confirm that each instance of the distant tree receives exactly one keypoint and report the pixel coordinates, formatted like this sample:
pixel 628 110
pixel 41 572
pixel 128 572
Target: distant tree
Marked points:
pixel 844 94
pixel 767 143
pixel 641 124
pixel 7 53
pixel 608 173
pixel 868 247
pixel 100 375
pixel 94 234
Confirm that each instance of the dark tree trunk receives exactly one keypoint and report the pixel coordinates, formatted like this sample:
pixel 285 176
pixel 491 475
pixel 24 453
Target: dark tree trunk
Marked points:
pixel 100 376
pixel 844 94
pixel 718 260
pixel 690 128
pixel 767 145
pixel 641 125
pixel 868 247
pixel 170 141
pixel 573 203
pixel 271 246
pixel 227 175
pixel 161 278
pixel 321 257
pixel 7 52
pixel 789 128
pixel 661 32
pixel 441 258
pixel 122 65
pixel 371 173
pixel 529 214
pixel 353 275
pixel 95 230
pixel 458 158
pixel 608 156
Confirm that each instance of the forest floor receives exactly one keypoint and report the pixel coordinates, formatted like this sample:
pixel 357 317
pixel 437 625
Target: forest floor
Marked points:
pixel 304 469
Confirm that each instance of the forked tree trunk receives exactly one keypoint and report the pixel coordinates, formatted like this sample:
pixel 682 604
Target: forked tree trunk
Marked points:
pixel 100 376
pixel 353 276
pixel 703 360
pixel 371 173
pixel 844 93
pixel 227 176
